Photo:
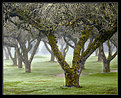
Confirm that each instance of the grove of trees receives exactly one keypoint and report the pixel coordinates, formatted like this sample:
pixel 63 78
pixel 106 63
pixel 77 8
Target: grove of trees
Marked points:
pixel 73 23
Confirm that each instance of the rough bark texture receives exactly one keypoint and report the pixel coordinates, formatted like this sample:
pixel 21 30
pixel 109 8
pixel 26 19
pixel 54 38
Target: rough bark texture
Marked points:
pixel 78 63
pixel 72 74
pixel 53 43
pixel 106 66
pixel 72 79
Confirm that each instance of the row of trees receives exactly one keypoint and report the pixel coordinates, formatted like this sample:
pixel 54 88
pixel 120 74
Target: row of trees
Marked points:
pixel 75 23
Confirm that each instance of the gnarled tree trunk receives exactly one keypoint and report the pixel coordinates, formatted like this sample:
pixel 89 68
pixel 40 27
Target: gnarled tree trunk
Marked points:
pixel 72 79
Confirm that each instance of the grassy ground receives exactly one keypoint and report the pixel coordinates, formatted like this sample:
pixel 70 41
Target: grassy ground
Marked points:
pixel 43 78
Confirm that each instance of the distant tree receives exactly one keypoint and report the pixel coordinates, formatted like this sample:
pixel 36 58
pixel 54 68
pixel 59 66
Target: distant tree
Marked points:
pixel 6 53
pixel 109 58
pixel 50 50
pixel 64 47
pixel 23 40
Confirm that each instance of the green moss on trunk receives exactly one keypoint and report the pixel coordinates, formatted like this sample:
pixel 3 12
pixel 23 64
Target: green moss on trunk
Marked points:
pixel 72 79
pixel 57 53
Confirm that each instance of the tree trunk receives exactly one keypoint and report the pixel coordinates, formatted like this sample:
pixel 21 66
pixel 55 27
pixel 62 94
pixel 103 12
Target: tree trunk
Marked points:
pixel 27 67
pixel 19 58
pixel 15 61
pixel 72 79
pixel 15 58
pixel 6 54
pixel 106 66
pixel 96 52
pixel 99 55
pixel 52 57
pixel 19 62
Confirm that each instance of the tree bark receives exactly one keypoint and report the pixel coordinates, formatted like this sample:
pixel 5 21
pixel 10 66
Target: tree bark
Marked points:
pixel 27 67
pixel 72 79
pixel 72 74
pixel 106 66
pixel 52 57
pixel 19 58
pixel 99 55
pixel 53 43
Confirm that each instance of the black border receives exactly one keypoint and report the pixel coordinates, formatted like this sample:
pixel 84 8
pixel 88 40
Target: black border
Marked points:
pixel 50 1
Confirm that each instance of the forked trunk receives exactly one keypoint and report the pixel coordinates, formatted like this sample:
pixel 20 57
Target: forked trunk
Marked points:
pixel 72 79
pixel 106 67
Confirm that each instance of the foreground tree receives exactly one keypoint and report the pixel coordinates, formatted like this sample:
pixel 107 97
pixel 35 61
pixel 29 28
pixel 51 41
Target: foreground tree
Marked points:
pixel 79 20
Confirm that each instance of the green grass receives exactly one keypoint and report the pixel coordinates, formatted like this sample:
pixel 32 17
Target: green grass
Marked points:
pixel 43 79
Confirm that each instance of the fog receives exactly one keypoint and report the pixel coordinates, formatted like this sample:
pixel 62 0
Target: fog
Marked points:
pixel 43 51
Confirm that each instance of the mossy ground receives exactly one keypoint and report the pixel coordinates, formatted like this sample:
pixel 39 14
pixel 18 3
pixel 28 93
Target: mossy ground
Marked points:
pixel 43 79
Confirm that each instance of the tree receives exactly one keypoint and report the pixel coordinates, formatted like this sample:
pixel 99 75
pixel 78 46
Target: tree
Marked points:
pixel 23 41
pixel 79 20
pixel 109 58
pixel 9 43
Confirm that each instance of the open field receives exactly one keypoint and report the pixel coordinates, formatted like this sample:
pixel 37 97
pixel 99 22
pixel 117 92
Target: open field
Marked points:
pixel 47 78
